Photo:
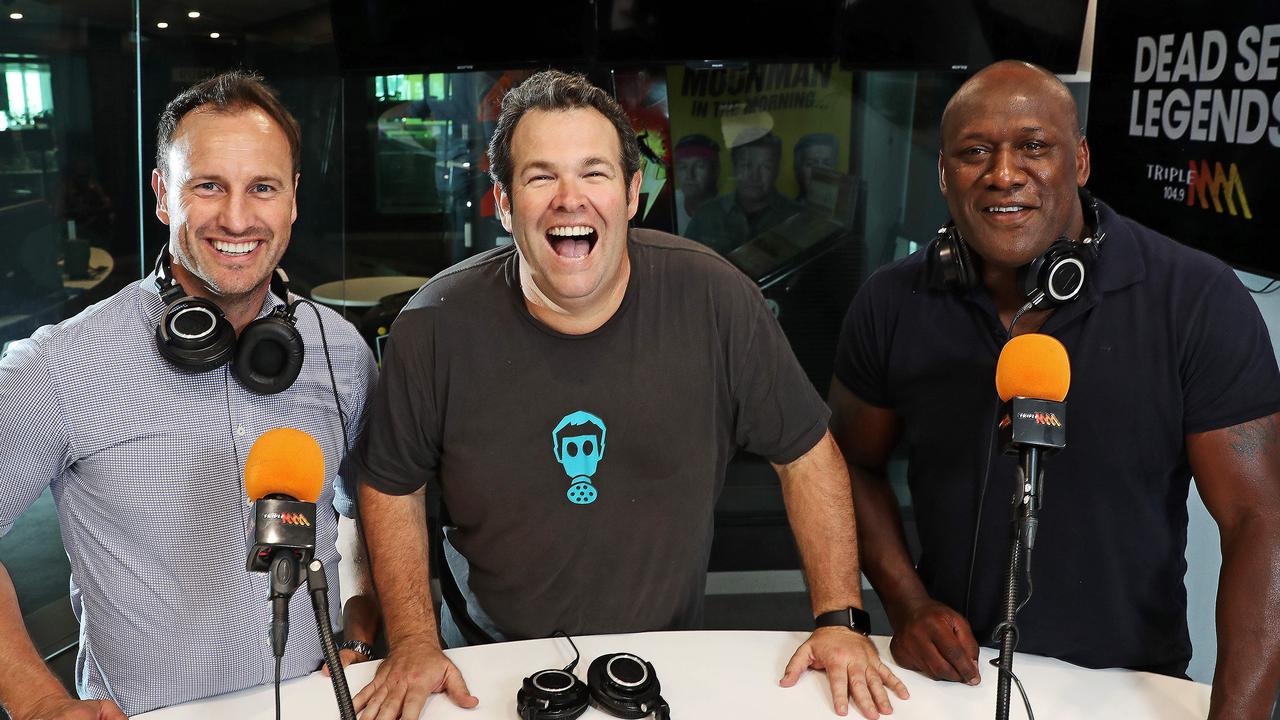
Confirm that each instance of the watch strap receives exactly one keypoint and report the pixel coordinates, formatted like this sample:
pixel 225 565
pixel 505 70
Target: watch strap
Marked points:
pixel 358 646
pixel 856 619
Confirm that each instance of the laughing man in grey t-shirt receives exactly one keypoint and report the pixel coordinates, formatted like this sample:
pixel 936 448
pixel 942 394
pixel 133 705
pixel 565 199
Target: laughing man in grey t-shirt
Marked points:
pixel 576 398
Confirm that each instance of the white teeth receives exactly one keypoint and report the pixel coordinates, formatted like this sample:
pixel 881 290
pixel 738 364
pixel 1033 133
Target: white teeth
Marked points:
pixel 1005 208
pixel 235 248
pixel 570 231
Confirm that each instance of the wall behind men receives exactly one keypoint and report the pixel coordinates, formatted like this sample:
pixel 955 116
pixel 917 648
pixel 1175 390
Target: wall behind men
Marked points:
pixel 1204 553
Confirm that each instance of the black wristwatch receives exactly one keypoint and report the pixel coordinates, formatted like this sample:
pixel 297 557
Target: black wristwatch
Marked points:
pixel 856 619
pixel 358 646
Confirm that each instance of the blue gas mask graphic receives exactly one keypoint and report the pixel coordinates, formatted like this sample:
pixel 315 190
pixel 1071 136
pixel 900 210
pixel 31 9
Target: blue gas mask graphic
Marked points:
pixel 578 444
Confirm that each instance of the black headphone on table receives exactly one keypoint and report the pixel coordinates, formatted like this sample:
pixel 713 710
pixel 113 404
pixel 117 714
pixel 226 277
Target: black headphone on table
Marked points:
pixel 196 336
pixel 620 684
pixel 1054 278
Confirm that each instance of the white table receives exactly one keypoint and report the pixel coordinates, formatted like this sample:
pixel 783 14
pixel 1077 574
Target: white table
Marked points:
pixel 712 675
pixel 364 291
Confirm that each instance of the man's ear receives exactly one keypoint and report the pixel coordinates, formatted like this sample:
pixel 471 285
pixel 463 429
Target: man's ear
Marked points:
pixel 1083 167
pixel 942 176
pixel 503 202
pixel 162 192
pixel 633 194
pixel 293 217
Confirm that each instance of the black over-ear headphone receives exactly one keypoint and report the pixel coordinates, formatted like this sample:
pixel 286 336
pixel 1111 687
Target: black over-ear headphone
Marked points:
pixel 553 694
pixel 195 335
pixel 620 684
pixel 626 686
pixel 1054 278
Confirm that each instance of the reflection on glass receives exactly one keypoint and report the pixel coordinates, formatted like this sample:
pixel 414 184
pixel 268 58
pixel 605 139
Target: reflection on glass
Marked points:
pixel 69 185
pixel 67 162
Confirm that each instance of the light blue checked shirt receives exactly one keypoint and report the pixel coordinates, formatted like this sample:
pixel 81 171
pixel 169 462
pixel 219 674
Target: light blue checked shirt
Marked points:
pixel 146 467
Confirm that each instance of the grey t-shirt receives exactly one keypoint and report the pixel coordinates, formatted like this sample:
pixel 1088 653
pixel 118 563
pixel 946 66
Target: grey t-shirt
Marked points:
pixel 581 472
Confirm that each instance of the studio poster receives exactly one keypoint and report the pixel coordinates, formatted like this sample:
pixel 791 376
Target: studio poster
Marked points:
pixel 745 140
pixel 643 95
pixel 1184 122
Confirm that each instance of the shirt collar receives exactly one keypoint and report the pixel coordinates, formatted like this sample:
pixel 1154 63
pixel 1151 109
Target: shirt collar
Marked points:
pixel 154 306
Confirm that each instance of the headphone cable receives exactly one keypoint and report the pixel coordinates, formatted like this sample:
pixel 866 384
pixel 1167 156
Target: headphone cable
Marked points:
pixel 333 382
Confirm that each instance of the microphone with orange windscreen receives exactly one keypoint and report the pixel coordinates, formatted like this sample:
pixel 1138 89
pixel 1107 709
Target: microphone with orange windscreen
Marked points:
pixel 283 476
pixel 1032 378
pixel 1033 375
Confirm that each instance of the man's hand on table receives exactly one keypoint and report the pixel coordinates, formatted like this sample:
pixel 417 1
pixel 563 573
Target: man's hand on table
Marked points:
pixel 853 668
pixel 414 670
pixel 67 708
pixel 936 641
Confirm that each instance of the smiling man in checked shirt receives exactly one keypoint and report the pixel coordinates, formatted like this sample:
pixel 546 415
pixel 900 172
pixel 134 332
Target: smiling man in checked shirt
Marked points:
pixel 144 458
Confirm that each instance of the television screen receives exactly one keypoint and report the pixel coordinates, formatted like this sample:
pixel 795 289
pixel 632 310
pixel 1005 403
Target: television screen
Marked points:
pixel 961 34
pixel 715 31
pixel 448 36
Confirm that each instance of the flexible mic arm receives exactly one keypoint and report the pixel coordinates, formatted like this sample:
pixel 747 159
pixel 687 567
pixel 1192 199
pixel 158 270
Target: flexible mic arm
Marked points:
pixel 318 586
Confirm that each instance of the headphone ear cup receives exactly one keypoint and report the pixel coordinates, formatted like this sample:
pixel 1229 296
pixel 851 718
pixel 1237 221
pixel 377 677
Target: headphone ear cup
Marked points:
pixel 194 335
pixel 269 354
pixel 552 695
pixel 950 262
pixel 625 685
pixel 1058 276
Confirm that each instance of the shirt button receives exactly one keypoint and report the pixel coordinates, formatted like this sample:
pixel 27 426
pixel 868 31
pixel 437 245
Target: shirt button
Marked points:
pixel 240 431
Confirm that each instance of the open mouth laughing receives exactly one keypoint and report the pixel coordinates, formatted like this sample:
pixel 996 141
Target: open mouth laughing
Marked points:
pixel 572 241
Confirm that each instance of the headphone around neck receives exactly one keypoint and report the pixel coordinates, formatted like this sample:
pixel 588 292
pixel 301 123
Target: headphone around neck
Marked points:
pixel 1054 278
pixel 195 335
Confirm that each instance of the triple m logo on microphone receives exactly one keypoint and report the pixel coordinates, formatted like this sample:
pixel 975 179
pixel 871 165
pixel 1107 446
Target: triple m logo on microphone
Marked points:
pixel 1042 418
pixel 288 518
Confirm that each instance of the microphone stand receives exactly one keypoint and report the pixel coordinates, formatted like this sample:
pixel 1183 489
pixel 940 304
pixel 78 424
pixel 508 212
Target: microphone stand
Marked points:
pixel 1033 428
pixel 318 586
pixel 1026 518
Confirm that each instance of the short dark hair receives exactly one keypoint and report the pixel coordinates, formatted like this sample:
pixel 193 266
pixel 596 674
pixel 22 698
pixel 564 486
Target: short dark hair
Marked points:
pixel 555 90
pixel 697 143
pixel 814 139
pixel 228 91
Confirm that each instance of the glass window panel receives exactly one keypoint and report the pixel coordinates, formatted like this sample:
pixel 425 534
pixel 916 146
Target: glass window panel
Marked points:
pixel 69 206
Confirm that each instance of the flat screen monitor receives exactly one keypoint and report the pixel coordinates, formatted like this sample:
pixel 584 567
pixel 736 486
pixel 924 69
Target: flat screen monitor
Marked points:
pixel 962 35
pixel 715 31
pixel 384 35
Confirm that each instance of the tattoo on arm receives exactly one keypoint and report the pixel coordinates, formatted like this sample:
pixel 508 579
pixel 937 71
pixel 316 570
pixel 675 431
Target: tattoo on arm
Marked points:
pixel 1255 439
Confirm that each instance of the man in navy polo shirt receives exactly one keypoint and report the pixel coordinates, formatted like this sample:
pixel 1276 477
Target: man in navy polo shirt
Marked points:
pixel 1173 376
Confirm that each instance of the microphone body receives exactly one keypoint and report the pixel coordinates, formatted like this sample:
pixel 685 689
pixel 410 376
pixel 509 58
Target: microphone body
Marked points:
pixel 281 523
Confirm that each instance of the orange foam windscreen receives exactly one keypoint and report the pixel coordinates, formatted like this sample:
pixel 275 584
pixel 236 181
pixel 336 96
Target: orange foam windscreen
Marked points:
pixel 284 461
pixel 1034 366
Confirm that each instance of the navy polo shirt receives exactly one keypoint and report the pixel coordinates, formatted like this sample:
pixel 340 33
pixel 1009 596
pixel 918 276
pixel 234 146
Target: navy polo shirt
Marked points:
pixel 1164 342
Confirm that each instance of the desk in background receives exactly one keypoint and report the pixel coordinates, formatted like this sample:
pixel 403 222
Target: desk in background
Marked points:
pixel 364 292
pixel 722 675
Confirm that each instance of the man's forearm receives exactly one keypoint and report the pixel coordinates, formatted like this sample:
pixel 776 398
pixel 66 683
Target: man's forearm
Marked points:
pixel 820 507
pixel 1248 616
pixel 25 678
pixel 395 528
pixel 885 557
